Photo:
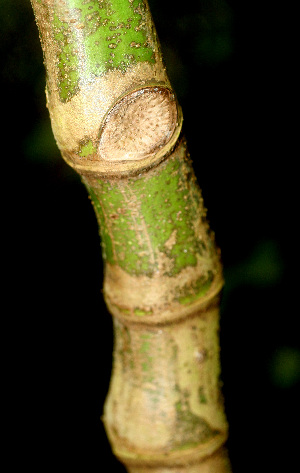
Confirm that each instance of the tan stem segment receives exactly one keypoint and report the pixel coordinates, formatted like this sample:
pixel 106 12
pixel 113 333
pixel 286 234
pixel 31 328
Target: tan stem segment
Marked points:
pixel 164 407
pixel 218 462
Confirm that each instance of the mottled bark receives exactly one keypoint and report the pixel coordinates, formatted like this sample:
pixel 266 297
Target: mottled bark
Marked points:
pixel 118 124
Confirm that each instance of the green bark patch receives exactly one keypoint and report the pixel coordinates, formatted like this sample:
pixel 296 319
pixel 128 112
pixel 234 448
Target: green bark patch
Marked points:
pixel 202 396
pixel 87 149
pixel 144 217
pixel 68 75
pixel 101 35
pixel 142 312
pixel 146 357
pixel 164 200
pixel 197 289
pixel 190 430
pixel 106 241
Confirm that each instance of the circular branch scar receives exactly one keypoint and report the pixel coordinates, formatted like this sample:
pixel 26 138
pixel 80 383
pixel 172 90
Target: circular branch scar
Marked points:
pixel 139 125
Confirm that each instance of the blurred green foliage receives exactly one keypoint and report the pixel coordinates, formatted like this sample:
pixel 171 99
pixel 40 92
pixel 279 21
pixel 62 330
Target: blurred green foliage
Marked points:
pixel 285 367
pixel 20 52
pixel 263 267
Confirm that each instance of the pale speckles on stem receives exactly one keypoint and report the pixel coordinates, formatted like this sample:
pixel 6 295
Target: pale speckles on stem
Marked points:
pixel 200 355
pixel 171 241
pixel 133 44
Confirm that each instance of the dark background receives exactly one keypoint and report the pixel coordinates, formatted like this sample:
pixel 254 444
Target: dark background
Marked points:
pixel 233 66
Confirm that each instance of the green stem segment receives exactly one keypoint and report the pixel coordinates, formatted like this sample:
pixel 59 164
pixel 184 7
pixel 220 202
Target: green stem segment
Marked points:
pixel 117 122
pixel 154 235
pixel 110 35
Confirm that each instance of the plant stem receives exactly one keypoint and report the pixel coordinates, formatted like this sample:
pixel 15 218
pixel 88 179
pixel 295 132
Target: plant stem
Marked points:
pixel 118 124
